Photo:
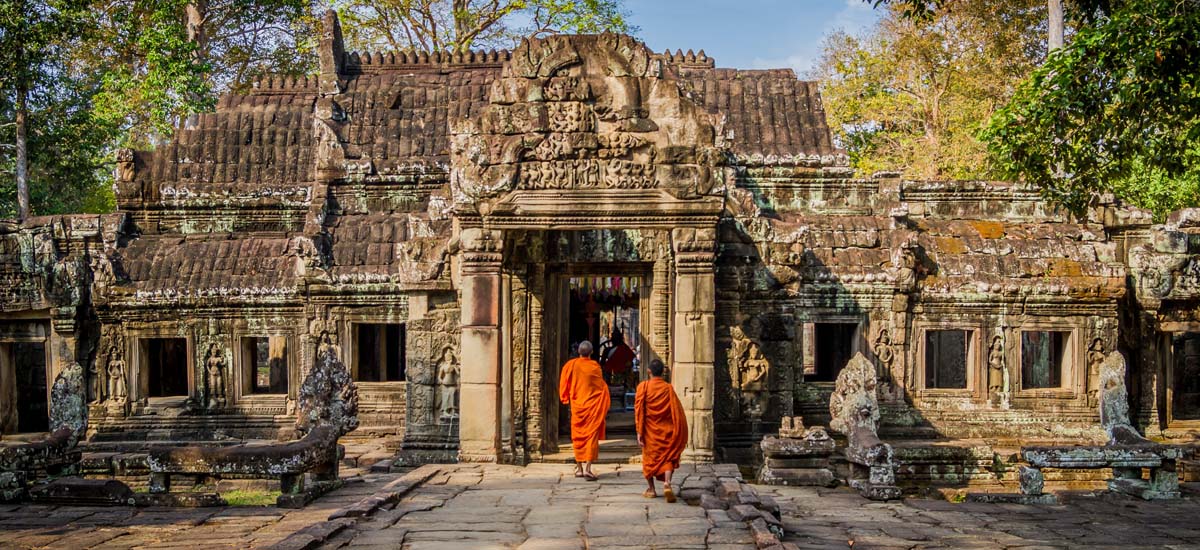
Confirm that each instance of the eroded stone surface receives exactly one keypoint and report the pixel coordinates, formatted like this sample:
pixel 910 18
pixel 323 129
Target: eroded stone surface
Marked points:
pixel 855 410
pixel 545 506
pixel 821 518
pixel 442 191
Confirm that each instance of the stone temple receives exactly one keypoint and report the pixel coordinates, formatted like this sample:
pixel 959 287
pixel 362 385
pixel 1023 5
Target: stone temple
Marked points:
pixel 450 224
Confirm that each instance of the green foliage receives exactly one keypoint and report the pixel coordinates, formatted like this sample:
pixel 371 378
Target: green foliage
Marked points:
pixel 459 25
pixel 152 77
pixel 63 141
pixel 912 93
pixel 117 73
pixel 911 9
pixel 1158 191
pixel 1116 109
pixel 155 74
pixel 104 74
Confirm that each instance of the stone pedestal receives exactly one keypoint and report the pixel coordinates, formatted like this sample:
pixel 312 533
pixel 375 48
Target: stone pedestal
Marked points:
pixel 798 457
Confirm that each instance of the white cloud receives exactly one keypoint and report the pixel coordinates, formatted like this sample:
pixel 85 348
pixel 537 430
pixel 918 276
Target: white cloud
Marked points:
pixel 854 17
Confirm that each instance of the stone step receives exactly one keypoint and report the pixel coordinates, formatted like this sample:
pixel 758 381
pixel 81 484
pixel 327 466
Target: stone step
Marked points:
pixel 605 458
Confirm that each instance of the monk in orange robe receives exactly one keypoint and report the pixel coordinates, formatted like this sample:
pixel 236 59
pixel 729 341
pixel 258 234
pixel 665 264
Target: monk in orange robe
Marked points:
pixel 662 430
pixel 582 386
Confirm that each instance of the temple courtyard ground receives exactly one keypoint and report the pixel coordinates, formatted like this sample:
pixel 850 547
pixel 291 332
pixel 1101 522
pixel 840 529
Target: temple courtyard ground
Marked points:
pixel 544 507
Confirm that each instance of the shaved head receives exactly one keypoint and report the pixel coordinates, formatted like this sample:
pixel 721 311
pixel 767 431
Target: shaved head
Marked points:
pixel 585 349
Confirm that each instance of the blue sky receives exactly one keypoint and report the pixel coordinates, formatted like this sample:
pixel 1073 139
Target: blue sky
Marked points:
pixel 748 34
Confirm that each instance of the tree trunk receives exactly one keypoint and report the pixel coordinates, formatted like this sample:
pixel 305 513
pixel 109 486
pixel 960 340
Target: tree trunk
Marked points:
pixel 195 13
pixel 1056 25
pixel 22 152
pixel 196 26
pixel 462 26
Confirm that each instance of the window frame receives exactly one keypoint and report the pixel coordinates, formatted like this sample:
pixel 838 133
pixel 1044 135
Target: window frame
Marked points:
pixel 238 376
pixel 351 351
pixel 976 378
pixel 36 331
pixel 1166 358
pixel 1064 366
pixel 1072 379
pixel 809 343
pixel 137 373
pixel 247 372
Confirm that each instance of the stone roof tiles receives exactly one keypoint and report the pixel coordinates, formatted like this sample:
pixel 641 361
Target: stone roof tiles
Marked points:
pixel 251 141
pixel 401 248
pixel 767 112
pixel 225 265
pixel 399 107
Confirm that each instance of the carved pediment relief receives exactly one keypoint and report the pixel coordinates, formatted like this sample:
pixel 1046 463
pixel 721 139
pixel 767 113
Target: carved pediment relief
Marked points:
pixel 594 113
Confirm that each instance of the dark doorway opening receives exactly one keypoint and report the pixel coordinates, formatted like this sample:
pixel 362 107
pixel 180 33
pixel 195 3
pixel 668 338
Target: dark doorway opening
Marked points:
pixel 380 352
pixel 606 311
pixel 29 370
pixel 265 358
pixel 1185 377
pixel 834 345
pixel 165 361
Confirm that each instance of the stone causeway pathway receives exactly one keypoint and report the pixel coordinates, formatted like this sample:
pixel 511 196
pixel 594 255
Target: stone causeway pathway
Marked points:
pixel 543 507
pixel 831 518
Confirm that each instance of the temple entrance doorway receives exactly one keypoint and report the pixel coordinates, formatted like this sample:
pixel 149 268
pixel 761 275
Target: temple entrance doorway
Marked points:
pixel 165 367
pixel 23 379
pixel 1184 378
pixel 609 309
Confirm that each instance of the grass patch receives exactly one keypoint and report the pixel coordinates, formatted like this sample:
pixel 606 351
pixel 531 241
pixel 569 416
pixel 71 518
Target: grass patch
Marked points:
pixel 250 498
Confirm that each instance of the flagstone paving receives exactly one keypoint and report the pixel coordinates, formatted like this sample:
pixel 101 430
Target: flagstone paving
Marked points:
pixel 543 507
pixel 824 518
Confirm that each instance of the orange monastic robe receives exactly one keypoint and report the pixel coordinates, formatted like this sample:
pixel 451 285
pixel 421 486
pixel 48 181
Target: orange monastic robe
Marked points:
pixel 658 416
pixel 582 386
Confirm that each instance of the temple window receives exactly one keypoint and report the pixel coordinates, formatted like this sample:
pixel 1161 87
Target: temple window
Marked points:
pixel 165 363
pixel 379 352
pixel 265 364
pixel 1185 376
pixel 24 406
pixel 1043 358
pixel 946 362
pixel 833 345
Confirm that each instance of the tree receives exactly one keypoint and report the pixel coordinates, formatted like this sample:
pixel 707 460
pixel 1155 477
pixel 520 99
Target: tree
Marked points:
pixel 84 77
pixel 1115 109
pixel 166 59
pixel 913 92
pixel 459 25
pixel 30 48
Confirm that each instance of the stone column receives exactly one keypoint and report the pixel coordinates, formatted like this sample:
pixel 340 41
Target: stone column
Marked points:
pixel 479 397
pixel 694 348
